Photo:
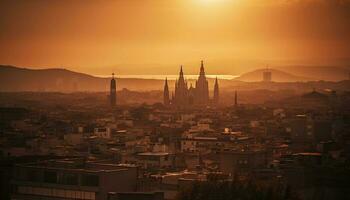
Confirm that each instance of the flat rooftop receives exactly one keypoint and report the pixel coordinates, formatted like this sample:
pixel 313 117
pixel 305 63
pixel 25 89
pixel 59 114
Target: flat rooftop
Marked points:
pixel 153 154
pixel 78 164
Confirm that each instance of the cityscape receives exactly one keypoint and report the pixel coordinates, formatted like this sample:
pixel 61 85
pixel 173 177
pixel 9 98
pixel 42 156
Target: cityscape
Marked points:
pixel 222 128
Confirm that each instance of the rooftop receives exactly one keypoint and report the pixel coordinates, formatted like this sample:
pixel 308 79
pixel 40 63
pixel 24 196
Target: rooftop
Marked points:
pixel 78 164
pixel 153 154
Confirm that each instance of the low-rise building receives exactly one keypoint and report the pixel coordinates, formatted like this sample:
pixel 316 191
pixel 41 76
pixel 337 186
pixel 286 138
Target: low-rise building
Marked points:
pixel 72 179
pixel 242 161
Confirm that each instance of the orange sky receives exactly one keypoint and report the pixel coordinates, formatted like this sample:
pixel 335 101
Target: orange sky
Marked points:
pixel 156 36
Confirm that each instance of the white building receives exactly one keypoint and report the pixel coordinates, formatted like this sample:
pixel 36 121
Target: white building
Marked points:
pixel 103 133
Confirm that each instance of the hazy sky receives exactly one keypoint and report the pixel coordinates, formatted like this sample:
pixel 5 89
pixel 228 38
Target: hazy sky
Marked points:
pixel 156 36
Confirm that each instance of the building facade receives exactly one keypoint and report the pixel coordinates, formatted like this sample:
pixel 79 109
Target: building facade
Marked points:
pixel 72 179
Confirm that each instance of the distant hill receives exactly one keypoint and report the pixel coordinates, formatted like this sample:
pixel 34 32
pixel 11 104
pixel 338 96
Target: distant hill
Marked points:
pixel 277 76
pixel 23 79
pixel 326 73
pixel 14 79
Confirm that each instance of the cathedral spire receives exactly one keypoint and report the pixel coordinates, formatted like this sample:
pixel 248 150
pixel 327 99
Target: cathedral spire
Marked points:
pixel 181 76
pixel 202 90
pixel 202 72
pixel 166 99
pixel 216 92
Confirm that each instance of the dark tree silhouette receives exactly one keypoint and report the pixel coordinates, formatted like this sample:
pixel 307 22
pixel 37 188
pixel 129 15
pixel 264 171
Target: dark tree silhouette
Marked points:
pixel 216 189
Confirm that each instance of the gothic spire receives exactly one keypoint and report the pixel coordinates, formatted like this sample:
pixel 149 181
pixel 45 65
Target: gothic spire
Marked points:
pixel 166 93
pixel 166 81
pixel 202 73
pixel 216 91
pixel 181 77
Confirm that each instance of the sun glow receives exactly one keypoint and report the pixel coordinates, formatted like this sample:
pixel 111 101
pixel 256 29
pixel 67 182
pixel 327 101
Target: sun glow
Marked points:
pixel 211 2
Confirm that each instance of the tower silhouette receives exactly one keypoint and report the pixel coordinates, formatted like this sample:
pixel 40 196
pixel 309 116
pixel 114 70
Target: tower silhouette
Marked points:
pixel 267 75
pixel 216 92
pixel 166 99
pixel 113 92
pixel 236 99
pixel 202 90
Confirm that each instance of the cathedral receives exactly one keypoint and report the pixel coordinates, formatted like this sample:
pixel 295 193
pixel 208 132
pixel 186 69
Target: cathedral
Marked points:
pixel 185 96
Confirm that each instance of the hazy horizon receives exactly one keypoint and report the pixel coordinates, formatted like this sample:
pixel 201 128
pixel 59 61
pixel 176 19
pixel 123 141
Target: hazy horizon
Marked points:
pixel 156 37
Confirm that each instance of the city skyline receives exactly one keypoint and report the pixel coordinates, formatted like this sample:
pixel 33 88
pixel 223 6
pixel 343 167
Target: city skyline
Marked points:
pixel 174 99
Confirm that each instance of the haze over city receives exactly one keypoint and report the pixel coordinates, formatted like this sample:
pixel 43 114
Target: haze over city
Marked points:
pixel 174 99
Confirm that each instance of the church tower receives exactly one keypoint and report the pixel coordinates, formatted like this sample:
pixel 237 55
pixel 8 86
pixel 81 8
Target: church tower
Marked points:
pixel 202 90
pixel 216 92
pixel 166 99
pixel 181 90
pixel 113 92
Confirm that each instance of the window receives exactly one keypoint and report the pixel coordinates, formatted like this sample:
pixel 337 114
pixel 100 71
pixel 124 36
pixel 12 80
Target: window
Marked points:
pixel 50 177
pixel 56 192
pixel 89 180
pixel 68 179
pixel 33 175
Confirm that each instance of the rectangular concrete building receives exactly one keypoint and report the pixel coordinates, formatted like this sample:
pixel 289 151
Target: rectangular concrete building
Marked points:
pixel 72 179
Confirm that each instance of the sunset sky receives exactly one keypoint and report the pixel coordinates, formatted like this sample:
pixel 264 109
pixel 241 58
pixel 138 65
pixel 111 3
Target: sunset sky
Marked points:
pixel 156 36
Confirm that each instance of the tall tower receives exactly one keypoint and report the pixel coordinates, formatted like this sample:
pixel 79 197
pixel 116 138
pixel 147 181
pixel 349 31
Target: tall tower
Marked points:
pixel 267 75
pixel 202 90
pixel 236 100
pixel 113 92
pixel 216 92
pixel 181 90
pixel 166 99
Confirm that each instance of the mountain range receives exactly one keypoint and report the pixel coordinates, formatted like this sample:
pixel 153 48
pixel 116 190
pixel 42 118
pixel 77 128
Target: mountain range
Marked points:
pixel 24 79
pixel 277 76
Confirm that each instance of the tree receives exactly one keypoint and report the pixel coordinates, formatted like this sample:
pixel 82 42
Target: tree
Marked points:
pixel 217 188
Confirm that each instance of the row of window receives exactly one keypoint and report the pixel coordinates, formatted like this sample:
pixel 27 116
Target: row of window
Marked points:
pixel 54 192
pixel 71 179
pixel 242 162
pixel 59 178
